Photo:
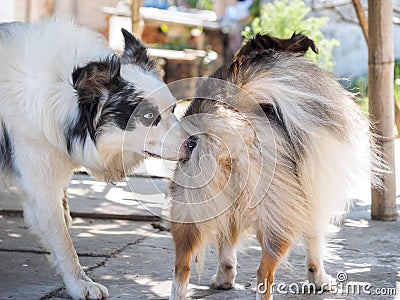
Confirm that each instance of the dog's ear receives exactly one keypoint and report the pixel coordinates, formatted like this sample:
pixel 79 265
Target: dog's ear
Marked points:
pixel 136 53
pixel 258 43
pixel 298 43
pixel 96 77
pixel 133 47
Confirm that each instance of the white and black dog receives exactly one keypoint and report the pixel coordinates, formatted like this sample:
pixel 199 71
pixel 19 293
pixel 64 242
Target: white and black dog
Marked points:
pixel 67 100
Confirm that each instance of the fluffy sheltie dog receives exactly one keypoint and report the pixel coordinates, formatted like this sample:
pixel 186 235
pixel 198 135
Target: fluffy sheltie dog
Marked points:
pixel 67 101
pixel 277 147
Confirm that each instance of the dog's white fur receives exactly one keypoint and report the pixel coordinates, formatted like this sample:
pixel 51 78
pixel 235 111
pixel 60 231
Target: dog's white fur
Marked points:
pixel 38 102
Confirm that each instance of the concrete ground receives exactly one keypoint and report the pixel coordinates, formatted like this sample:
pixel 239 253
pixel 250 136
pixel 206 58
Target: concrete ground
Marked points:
pixel 124 246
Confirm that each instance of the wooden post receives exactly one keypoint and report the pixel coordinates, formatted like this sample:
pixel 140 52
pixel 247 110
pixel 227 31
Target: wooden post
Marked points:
pixel 49 7
pixel 380 94
pixel 135 17
pixel 364 26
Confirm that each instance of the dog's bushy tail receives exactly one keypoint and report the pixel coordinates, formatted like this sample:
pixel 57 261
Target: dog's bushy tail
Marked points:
pixel 334 149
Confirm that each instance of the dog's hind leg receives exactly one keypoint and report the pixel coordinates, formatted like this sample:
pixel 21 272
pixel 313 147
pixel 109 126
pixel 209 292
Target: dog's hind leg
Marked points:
pixel 44 212
pixel 67 215
pixel 186 238
pixel 316 274
pixel 271 256
pixel 225 277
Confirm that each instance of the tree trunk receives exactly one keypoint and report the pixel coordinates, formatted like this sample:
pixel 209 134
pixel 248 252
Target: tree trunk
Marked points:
pixel 380 94
pixel 364 26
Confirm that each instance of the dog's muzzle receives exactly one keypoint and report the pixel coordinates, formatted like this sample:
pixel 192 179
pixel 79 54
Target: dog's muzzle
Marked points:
pixel 191 143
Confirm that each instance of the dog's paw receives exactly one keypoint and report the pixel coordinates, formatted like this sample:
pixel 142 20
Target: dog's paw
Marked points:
pixel 174 297
pixel 321 280
pixel 178 290
pixel 266 296
pixel 87 289
pixel 218 284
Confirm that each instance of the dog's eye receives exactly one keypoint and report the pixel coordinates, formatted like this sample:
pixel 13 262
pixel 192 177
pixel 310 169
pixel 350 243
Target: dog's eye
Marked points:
pixel 148 116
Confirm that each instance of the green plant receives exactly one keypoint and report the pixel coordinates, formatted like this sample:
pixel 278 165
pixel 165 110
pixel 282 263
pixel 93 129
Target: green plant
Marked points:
pixel 201 4
pixel 359 86
pixel 284 17
pixel 397 81
pixel 254 9
pixel 174 44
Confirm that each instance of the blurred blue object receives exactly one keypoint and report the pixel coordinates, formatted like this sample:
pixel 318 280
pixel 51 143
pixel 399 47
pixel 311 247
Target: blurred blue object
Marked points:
pixel 161 4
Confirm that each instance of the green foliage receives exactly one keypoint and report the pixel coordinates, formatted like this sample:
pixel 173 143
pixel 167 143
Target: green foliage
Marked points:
pixel 175 44
pixel 359 86
pixel 201 4
pixel 254 9
pixel 397 81
pixel 284 17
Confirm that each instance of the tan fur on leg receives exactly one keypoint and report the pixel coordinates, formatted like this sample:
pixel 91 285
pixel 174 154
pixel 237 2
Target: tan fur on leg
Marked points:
pixel 268 265
pixel 67 216
pixel 186 238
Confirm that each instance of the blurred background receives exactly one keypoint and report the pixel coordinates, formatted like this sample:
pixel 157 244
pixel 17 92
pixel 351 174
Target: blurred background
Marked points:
pixel 191 38
pixel 194 37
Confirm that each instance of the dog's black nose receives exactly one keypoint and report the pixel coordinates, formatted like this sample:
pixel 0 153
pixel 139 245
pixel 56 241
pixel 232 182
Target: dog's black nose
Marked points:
pixel 191 143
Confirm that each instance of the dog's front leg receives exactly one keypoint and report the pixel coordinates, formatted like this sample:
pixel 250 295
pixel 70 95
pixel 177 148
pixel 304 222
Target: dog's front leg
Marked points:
pixel 186 238
pixel 44 213
pixel 315 246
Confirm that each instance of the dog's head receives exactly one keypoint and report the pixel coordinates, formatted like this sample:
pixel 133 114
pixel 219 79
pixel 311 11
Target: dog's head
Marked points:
pixel 122 98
